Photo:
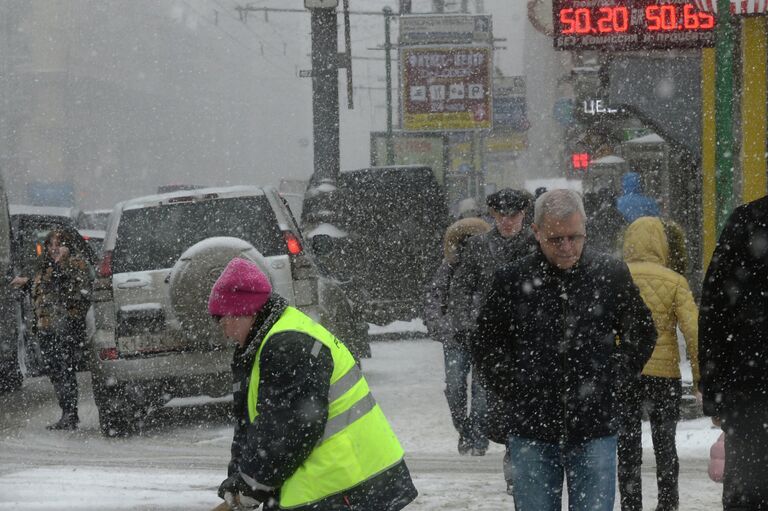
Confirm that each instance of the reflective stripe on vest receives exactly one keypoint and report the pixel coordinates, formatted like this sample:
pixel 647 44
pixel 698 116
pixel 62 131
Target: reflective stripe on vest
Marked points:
pixel 357 444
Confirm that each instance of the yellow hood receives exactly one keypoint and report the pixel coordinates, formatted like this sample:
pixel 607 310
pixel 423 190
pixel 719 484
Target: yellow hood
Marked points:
pixel 645 241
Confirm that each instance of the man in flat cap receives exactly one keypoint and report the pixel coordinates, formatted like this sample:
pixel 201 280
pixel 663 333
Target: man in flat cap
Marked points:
pixel 508 240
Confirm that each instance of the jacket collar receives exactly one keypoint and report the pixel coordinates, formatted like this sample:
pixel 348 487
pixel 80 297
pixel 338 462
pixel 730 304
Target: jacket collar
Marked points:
pixel 550 271
pixel 263 322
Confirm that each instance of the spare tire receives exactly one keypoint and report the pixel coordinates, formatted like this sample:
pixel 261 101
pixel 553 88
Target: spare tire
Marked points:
pixel 192 278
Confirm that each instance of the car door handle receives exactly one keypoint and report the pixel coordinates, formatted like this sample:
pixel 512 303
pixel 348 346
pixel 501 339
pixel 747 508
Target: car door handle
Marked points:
pixel 132 284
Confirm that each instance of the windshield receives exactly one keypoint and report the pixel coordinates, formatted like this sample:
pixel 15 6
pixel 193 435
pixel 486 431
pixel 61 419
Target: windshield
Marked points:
pixel 155 237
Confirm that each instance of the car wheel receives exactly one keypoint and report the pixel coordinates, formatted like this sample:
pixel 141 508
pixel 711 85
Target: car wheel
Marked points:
pixel 116 413
pixel 193 276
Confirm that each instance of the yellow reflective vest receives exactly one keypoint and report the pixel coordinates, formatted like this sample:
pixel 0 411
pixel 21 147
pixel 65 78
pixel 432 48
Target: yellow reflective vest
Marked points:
pixel 358 442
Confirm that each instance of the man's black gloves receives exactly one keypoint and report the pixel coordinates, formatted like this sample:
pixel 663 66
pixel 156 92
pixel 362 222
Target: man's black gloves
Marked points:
pixel 239 495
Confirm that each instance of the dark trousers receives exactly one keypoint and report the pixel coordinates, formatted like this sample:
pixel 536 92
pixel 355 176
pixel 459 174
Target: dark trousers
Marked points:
pixel 469 417
pixel 661 398
pixel 745 486
pixel 58 352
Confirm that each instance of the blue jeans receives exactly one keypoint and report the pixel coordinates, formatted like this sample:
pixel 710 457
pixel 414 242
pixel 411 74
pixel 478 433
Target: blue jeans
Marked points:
pixel 470 421
pixel 537 470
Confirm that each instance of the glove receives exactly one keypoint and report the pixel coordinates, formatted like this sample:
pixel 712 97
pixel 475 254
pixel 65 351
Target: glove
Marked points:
pixel 238 494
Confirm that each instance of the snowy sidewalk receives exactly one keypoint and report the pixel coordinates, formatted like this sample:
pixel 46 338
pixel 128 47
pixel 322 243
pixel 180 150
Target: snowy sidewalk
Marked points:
pixel 179 466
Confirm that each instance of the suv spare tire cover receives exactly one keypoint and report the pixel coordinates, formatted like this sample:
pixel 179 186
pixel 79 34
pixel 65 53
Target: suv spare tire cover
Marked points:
pixel 193 276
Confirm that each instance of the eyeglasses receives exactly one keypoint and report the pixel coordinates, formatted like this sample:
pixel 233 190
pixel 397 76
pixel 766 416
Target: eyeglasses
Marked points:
pixel 560 240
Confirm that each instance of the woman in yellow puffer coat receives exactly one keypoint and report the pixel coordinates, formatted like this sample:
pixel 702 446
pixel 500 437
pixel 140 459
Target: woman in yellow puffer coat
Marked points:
pixel 659 389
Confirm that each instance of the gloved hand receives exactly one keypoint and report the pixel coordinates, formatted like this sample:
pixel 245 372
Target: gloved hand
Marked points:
pixel 238 494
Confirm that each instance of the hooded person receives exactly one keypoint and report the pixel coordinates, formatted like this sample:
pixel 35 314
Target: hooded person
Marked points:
pixel 659 388
pixel 633 203
pixel 466 414
pixel 308 435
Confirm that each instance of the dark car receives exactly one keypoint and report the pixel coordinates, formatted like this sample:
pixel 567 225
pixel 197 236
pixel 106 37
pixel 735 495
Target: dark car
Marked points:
pixel 29 227
pixel 392 220
pixel 10 375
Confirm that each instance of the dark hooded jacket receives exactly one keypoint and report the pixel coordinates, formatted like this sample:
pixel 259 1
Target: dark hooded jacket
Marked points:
pixel 634 204
pixel 293 409
pixel 554 346
pixel 733 322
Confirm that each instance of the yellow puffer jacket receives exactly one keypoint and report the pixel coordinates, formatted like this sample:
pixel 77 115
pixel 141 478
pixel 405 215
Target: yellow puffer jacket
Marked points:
pixel 666 293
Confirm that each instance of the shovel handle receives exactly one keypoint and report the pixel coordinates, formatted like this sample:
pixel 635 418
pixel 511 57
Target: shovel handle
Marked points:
pixel 222 507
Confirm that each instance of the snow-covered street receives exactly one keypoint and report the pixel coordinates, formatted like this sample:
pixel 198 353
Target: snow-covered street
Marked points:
pixel 179 460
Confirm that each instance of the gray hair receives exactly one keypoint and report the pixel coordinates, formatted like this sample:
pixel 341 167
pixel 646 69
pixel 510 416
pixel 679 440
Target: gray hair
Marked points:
pixel 558 204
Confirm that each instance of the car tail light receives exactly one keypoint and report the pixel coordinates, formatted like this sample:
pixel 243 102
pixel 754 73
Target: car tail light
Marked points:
pixel 38 249
pixel 108 354
pixel 105 267
pixel 292 243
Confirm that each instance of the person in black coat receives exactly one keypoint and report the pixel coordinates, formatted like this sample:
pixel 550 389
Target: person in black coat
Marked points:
pixel 733 353
pixel 559 333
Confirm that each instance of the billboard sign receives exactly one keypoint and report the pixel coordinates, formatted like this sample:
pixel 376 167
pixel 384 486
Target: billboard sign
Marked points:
pixel 446 88
pixel 509 103
pixel 445 29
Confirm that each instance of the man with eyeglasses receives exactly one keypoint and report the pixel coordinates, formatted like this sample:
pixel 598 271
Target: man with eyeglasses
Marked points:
pixel 560 331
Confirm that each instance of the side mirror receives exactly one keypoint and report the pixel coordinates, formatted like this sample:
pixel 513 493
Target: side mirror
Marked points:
pixel 322 244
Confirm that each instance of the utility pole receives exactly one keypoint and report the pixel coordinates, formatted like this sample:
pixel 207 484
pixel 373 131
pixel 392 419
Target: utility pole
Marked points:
pixel 325 95
pixel 724 112
pixel 388 68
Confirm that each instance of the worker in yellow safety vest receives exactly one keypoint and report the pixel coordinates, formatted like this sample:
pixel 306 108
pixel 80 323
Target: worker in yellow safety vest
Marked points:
pixel 309 434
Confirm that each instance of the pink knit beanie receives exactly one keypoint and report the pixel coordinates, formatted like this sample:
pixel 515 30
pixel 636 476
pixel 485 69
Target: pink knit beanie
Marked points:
pixel 242 289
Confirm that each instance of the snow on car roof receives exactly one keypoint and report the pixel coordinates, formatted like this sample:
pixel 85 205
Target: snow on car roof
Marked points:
pixel 200 193
pixel 23 209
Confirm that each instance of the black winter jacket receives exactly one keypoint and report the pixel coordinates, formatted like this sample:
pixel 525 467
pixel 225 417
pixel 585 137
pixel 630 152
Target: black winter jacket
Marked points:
pixel 553 346
pixel 733 323
pixel 293 409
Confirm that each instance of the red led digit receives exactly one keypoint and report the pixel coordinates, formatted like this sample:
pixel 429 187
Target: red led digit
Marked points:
pixel 583 21
pixel 653 18
pixel 690 18
pixel 620 19
pixel 668 17
pixel 605 22
pixel 707 21
pixel 567 18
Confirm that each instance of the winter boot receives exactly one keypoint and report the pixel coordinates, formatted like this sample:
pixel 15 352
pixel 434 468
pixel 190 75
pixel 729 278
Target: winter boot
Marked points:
pixel 478 451
pixel 465 445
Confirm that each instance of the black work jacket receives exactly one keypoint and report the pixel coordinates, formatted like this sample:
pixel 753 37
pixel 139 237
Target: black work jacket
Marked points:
pixel 553 346
pixel 293 409
pixel 733 323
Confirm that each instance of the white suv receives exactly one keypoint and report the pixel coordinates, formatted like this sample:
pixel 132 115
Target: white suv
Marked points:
pixel 151 337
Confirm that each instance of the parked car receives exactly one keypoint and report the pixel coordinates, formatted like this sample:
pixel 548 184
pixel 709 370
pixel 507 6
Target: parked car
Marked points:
pixel 94 238
pixel 10 374
pixel 152 339
pixel 95 219
pixel 392 220
pixel 29 227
